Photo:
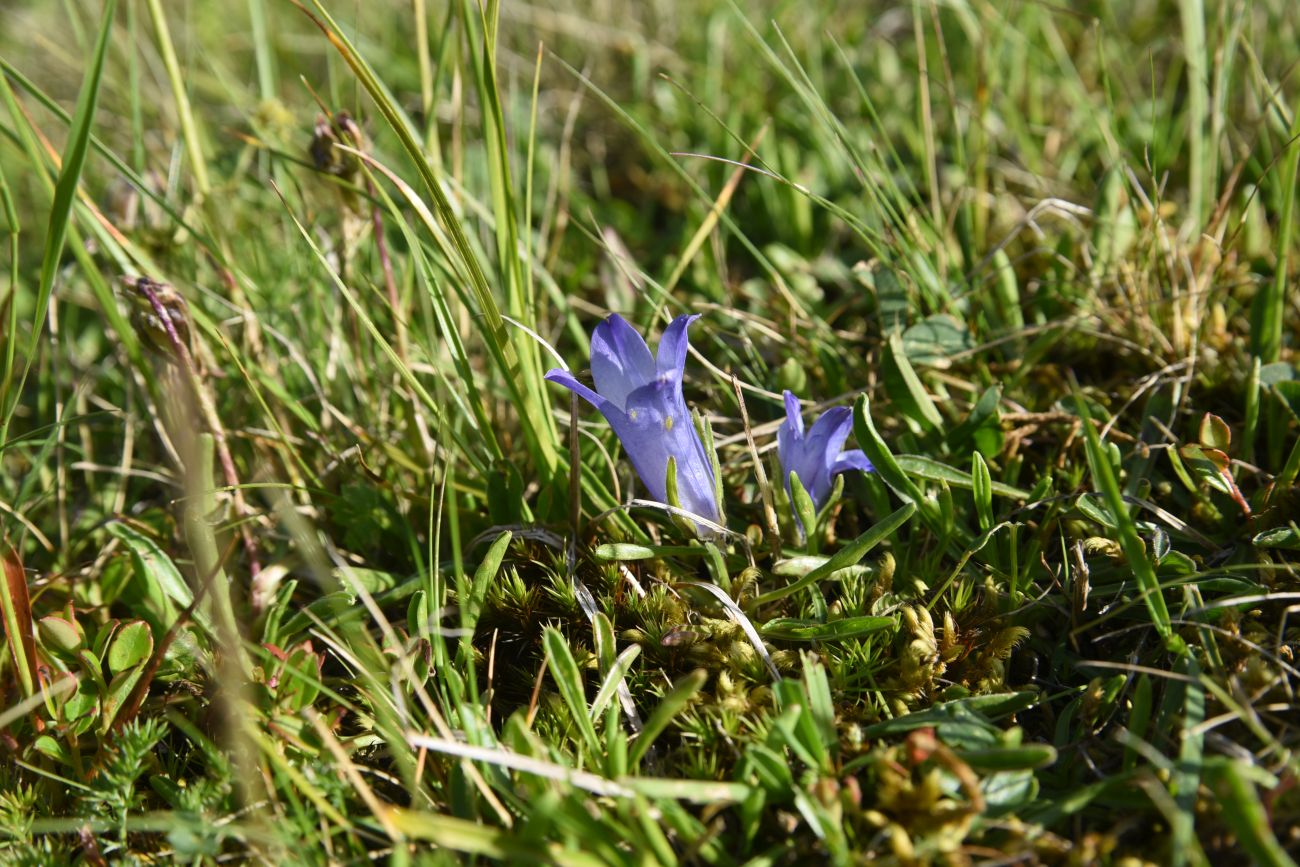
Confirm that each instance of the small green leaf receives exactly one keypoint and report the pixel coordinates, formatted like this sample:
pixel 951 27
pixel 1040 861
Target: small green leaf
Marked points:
pixel 626 551
pixel 1025 757
pixel 804 510
pixel 936 339
pixel 864 430
pixel 1005 790
pixel 837 630
pixel 983 425
pixel 982 486
pixel 163 587
pixel 935 471
pixel 1279 537
pixel 820 704
pixel 670 484
pixel 119 690
pixel 60 637
pixel 131 646
pixel 1215 432
pixel 483 575
pixel 621 666
pixel 48 746
pixel 84 701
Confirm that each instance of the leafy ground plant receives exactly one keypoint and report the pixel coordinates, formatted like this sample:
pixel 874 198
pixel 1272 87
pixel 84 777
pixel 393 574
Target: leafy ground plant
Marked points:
pixel 306 561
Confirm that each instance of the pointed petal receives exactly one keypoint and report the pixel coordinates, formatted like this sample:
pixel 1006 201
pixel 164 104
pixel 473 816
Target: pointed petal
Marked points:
pixel 796 457
pixel 620 360
pixel 853 459
pixel 566 379
pixel 830 431
pixel 672 348
pixel 793 412
pixel 818 450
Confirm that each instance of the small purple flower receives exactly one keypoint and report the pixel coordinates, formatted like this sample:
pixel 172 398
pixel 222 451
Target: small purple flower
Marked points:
pixel 817 456
pixel 642 401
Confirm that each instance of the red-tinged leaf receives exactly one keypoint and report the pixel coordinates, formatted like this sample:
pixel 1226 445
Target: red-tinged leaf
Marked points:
pixel 1200 453
pixel 17 611
pixel 1215 432
pixel 1219 472
pixel 61 637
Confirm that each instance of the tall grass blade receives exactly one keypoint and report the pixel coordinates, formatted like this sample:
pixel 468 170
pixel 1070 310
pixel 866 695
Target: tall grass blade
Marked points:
pixel 65 191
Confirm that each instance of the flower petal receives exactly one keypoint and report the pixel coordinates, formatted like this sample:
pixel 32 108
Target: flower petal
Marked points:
pixel 657 425
pixel 620 360
pixel 853 459
pixel 797 458
pixel 830 431
pixel 672 348
pixel 566 379
pixel 793 412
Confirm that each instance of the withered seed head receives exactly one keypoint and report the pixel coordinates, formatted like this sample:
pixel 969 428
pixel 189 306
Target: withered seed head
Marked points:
pixel 150 302
pixel 340 129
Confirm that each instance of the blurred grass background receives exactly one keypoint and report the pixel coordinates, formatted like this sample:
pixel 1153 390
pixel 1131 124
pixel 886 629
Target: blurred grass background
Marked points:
pixel 332 588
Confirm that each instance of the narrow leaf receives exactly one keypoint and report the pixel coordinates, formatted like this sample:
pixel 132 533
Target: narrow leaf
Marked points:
pixel 74 160
pixel 1103 477
pixel 564 670
pixel 847 556
pixel 674 703
pixel 17 611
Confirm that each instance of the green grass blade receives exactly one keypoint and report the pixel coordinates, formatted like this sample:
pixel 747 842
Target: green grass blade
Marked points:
pixel 180 95
pixel 1268 310
pixel 1247 817
pixel 1103 478
pixel 65 192
pixel 673 703
pixel 568 679
pixel 609 687
pixel 847 556
pixel 533 407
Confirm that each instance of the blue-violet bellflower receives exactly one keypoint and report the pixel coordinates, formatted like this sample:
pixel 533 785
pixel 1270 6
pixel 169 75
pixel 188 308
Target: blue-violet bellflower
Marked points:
pixel 641 398
pixel 817 455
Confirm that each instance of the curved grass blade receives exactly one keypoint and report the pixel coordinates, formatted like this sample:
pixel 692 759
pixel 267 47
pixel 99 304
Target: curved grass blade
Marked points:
pixel 532 403
pixel 847 556
pixel 673 703
pixel 622 665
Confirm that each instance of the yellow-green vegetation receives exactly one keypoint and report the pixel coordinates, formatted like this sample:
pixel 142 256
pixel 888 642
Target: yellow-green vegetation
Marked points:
pixel 308 560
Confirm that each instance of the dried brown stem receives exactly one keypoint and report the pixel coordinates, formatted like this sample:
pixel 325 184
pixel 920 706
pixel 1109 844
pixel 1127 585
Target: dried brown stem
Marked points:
pixel 208 411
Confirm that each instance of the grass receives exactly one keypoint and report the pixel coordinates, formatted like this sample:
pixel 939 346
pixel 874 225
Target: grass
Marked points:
pixel 305 562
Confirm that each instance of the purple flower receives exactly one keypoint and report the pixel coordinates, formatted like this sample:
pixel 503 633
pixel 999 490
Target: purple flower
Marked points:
pixel 817 456
pixel 642 401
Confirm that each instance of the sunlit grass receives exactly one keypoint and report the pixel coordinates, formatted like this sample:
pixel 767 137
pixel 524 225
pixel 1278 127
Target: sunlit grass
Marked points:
pixel 306 562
